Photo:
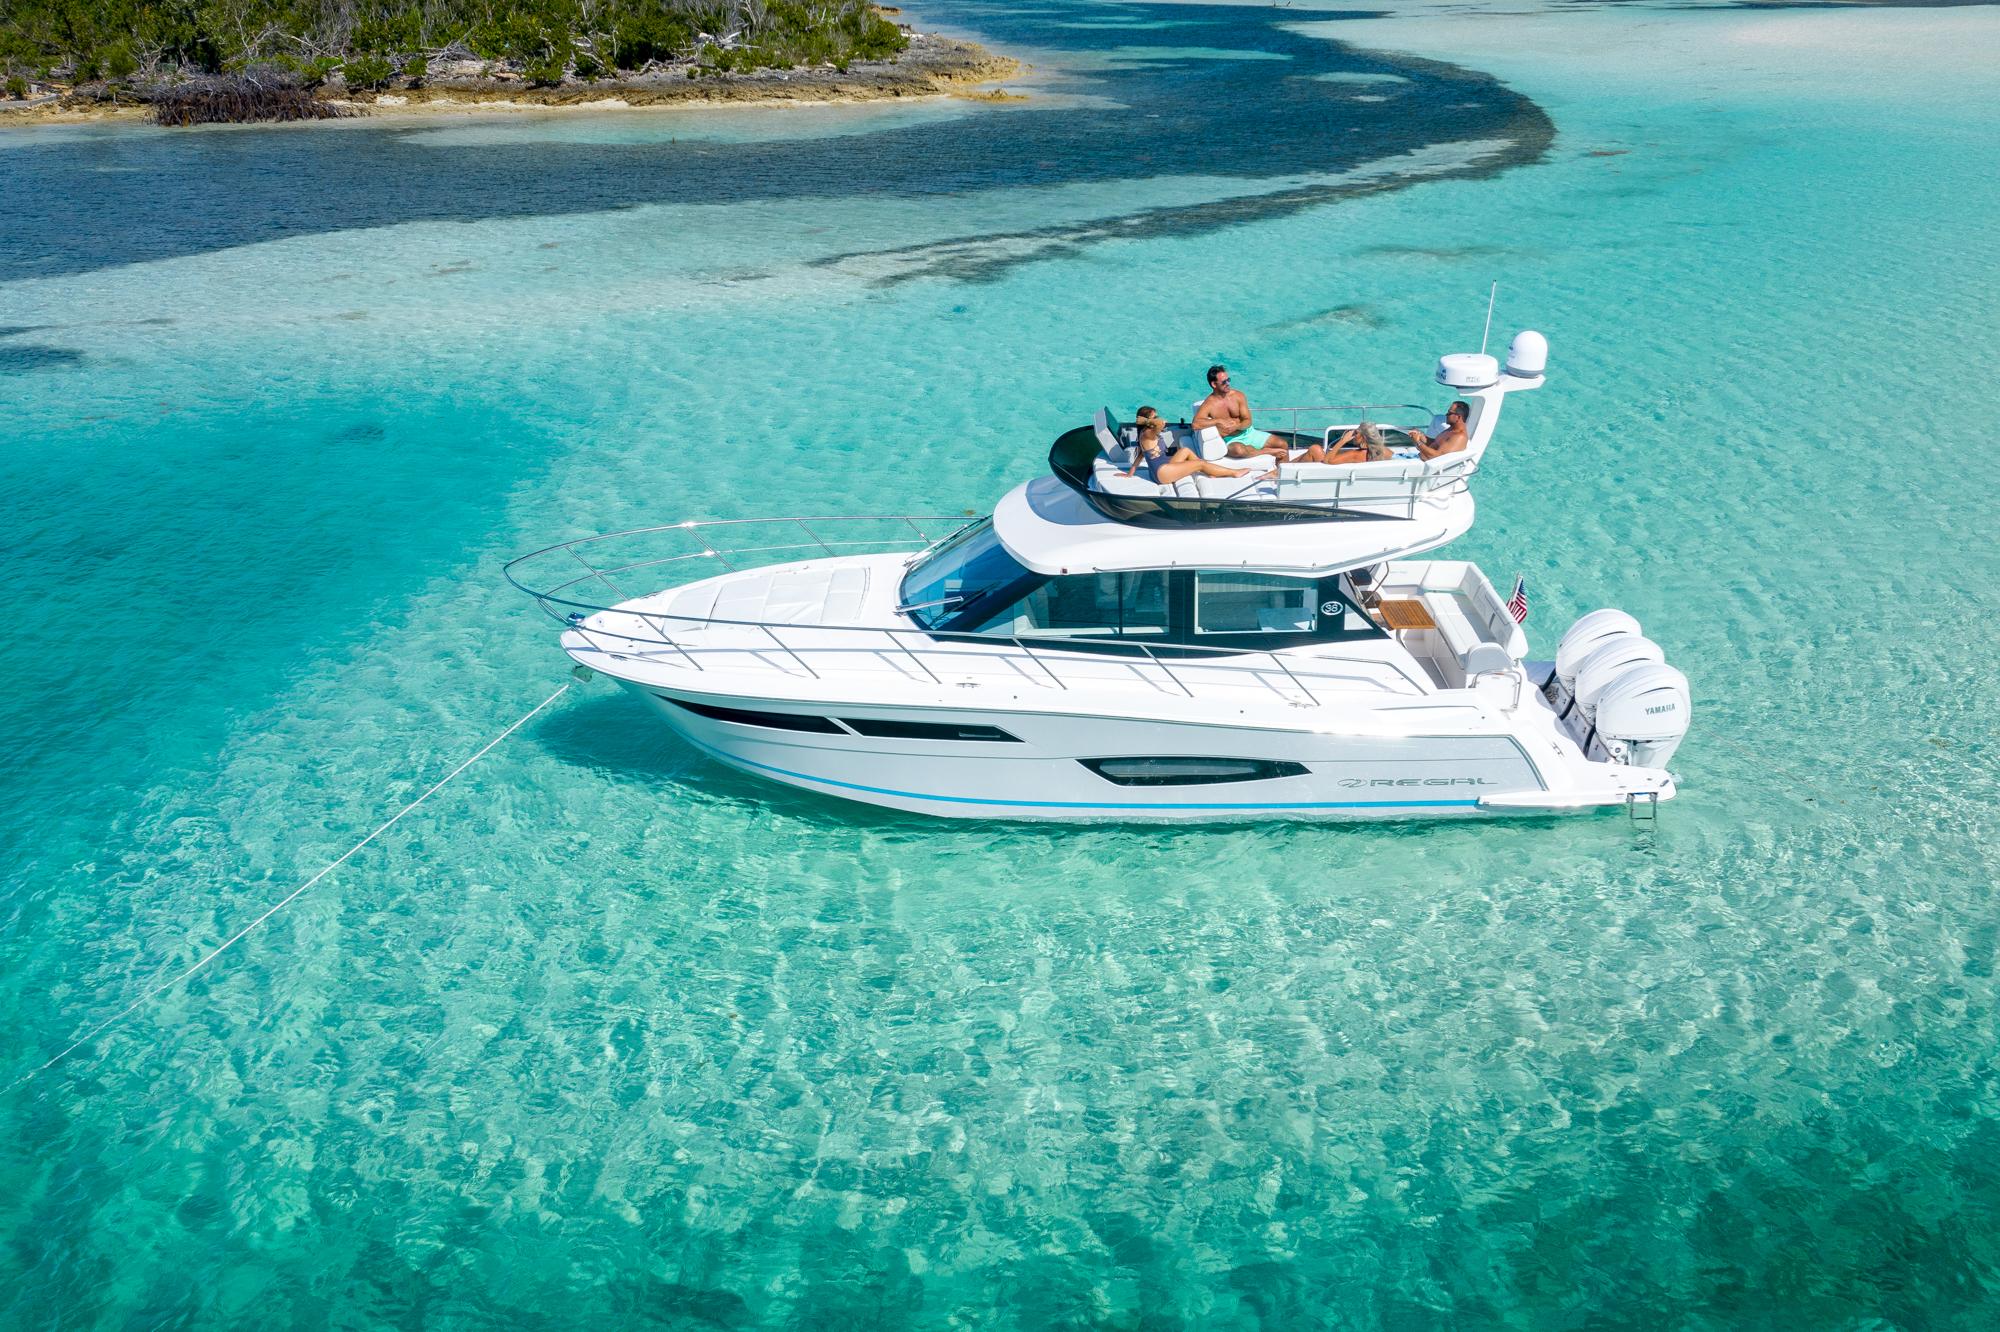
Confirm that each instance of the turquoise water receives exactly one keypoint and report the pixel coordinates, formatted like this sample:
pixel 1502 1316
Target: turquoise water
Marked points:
pixel 603 1033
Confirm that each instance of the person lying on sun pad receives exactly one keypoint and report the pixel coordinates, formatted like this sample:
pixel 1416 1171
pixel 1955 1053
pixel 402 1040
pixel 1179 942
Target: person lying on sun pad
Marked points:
pixel 1168 466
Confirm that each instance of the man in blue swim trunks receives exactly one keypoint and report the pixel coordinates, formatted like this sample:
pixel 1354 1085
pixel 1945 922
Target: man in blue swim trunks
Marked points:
pixel 1229 412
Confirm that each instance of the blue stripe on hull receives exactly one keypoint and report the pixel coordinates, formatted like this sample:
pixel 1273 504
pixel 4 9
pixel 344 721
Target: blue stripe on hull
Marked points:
pixel 1072 804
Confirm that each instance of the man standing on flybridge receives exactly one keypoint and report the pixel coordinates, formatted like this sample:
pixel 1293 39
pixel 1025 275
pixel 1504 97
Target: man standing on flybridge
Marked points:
pixel 1229 412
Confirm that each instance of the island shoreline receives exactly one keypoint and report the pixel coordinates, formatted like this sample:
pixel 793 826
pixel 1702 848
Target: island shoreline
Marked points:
pixel 933 66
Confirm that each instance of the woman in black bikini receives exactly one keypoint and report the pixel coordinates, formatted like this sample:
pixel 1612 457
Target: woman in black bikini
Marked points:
pixel 1166 468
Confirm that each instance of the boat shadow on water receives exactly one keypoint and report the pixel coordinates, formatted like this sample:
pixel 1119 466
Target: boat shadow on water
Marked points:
pixel 618 738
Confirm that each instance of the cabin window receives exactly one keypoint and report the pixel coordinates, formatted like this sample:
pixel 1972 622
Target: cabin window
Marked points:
pixel 1112 605
pixel 777 721
pixel 914 730
pixel 972 586
pixel 1249 603
pixel 1187 771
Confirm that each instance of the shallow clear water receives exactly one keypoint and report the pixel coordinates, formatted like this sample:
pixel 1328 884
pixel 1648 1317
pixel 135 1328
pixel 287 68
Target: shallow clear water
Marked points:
pixel 605 1033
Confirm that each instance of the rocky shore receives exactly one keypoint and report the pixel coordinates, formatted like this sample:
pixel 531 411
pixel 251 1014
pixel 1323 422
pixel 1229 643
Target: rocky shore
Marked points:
pixel 931 66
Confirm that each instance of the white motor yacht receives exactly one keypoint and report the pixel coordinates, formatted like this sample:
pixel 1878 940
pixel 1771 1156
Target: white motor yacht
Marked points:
pixel 1106 648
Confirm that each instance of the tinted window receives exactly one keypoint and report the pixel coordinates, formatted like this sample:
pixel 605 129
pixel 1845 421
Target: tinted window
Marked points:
pixel 909 730
pixel 1179 771
pixel 1248 603
pixel 777 721
pixel 971 567
pixel 1112 605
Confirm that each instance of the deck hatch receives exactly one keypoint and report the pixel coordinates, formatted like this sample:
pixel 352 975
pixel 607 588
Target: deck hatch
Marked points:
pixel 911 730
pixel 1178 770
pixel 777 721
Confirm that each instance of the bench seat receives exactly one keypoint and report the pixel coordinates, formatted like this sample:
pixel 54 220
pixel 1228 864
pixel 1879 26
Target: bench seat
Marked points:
pixel 1107 475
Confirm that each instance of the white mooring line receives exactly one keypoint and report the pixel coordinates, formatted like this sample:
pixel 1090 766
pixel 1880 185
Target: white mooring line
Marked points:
pixel 282 903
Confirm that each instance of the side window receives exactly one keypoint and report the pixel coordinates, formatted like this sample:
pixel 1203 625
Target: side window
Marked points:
pixel 1248 603
pixel 1342 616
pixel 1142 604
pixel 1120 605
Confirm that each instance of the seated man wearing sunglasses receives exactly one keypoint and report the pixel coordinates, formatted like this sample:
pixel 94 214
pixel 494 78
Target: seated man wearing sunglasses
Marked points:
pixel 1228 411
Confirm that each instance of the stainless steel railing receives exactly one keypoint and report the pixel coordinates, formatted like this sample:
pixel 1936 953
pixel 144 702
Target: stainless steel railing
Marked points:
pixel 711 539
pixel 1385 495
pixel 556 575
pixel 1343 414
pixel 1375 494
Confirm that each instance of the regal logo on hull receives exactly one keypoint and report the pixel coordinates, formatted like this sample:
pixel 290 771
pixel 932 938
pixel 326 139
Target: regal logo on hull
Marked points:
pixel 1352 782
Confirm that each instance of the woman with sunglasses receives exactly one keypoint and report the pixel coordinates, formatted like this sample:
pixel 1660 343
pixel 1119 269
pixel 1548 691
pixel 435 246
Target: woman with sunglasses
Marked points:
pixel 1166 467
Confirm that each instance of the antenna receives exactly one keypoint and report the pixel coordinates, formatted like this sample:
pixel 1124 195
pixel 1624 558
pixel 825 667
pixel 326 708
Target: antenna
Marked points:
pixel 1491 296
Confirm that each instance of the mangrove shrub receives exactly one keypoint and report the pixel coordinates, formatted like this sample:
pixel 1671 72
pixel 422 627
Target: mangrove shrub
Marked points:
pixel 165 40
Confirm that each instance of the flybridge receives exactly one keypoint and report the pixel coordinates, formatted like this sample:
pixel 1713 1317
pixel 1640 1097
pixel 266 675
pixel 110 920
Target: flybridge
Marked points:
pixel 1096 460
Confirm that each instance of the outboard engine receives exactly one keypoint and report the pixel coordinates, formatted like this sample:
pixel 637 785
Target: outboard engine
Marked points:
pixel 1643 715
pixel 1608 664
pixel 1584 637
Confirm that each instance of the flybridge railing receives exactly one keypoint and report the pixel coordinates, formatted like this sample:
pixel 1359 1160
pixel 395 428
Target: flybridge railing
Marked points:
pixel 1344 415
pixel 711 540
pixel 1347 488
pixel 562 577
pixel 1340 487
pixel 1296 491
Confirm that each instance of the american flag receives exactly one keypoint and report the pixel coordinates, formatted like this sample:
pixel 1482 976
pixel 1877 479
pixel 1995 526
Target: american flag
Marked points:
pixel 1517 605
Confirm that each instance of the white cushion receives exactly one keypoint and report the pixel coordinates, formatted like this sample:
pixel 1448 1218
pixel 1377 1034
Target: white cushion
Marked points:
pixel 1256 486
pixel 1460 634
pixel 1108 476
pixel 1111 480
pixel 845 595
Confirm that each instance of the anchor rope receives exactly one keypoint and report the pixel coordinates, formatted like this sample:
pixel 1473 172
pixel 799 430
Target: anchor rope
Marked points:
pixel 161 987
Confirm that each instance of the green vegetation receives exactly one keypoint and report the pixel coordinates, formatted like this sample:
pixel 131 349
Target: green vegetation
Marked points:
pixel 369 71
pixel 369 43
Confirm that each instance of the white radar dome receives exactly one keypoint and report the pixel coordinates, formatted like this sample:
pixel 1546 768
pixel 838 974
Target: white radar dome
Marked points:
pixel 1468 370
pixel 1610 661
pixel 1586 635
pixel 1528 354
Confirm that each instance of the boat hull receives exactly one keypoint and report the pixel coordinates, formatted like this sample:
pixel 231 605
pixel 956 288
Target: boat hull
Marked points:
pixel 1053 767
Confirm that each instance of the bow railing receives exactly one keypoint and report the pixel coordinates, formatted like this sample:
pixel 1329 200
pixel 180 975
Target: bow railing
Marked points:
pixel 607 589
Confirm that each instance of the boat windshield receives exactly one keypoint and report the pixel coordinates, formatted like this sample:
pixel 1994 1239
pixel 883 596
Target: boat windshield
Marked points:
pixel 971 567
